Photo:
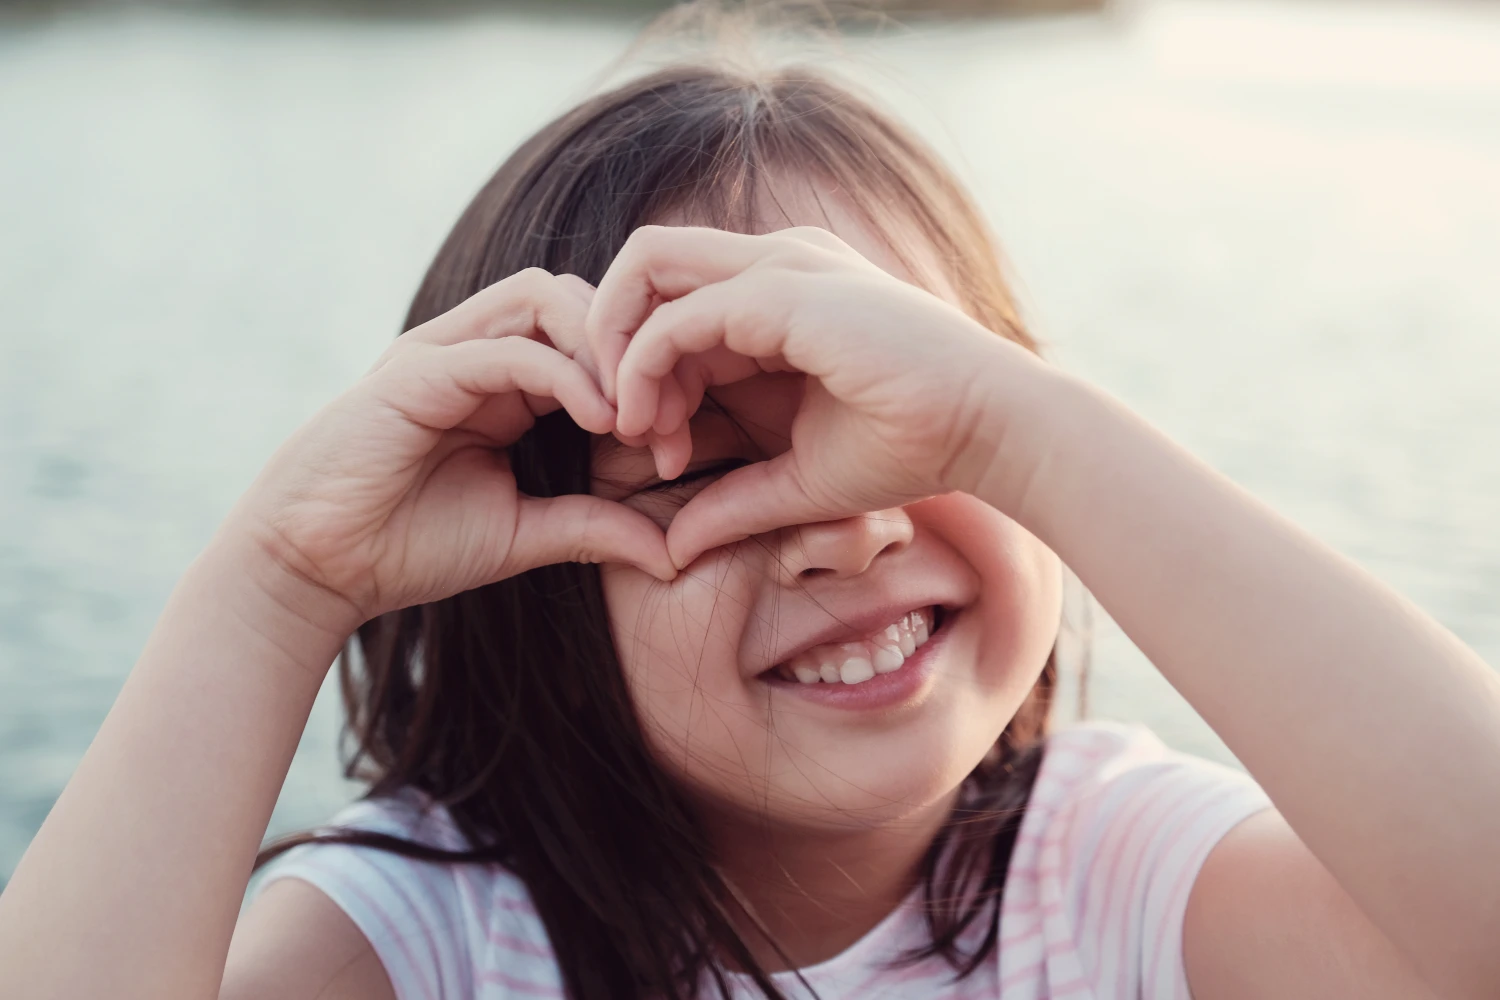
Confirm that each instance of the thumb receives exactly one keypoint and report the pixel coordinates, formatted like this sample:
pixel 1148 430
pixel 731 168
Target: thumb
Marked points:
pixel 747 501
pixel 586 529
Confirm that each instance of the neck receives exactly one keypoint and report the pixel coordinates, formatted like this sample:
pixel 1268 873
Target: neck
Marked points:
pixel 818 892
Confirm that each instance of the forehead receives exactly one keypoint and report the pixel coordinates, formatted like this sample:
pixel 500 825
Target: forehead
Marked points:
pixel 789 200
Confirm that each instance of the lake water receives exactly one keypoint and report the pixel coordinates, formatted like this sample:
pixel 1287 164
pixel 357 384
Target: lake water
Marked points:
pixel 1273 229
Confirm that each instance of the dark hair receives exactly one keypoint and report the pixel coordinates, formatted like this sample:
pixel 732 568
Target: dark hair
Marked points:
pixel 506 704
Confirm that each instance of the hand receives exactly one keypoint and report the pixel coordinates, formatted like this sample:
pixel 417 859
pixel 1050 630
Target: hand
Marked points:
pixel 899 404
pixel 399 492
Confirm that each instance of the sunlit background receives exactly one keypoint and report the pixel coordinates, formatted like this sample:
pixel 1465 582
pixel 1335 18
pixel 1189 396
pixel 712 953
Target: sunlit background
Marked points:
pixel 1273 228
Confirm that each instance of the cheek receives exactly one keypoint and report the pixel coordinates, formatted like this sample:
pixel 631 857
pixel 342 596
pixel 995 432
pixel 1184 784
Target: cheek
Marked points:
pixel 678 648
pixel 1022 585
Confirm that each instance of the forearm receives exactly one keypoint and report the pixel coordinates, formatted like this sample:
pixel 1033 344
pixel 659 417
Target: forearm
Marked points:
pixel 132 886
pixel 1375 731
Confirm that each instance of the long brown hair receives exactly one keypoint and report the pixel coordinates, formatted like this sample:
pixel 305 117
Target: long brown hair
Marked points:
pixel 506 704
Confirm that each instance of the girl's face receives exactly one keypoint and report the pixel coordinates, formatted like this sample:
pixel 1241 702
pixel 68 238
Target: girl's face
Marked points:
pixel 711 659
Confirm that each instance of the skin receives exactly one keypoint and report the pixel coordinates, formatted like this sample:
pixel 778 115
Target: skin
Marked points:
pixel 1375 731
pixel 820 817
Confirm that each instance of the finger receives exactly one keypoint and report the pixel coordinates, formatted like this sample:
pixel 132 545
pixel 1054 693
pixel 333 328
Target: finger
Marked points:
pixel 569 336
pixel 497 416
pixel 659 263
pixel 738 314
pixel 531 303
pixel 747 501
pixel 578 287
pixel 441 387
pixel 586 529
pixel 671 452
pixel 671 406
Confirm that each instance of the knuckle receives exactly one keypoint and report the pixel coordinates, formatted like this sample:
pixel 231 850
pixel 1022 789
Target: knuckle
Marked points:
pixel 532 278
pixel 665 315
pixel 817 236
pixel 808 234
pixel 648 239
pixel 396 347
pixel 395 363
pixel 531 284
pixel 575 284
pixel 815 247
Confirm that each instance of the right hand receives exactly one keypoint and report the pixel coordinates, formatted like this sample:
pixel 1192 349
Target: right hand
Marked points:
pixel 399 492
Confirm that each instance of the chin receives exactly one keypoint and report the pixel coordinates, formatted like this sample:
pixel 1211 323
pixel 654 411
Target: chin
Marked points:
pixel 832 783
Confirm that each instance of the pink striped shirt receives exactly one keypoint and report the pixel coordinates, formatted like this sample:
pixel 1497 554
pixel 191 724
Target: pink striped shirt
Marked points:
pixel 1116 831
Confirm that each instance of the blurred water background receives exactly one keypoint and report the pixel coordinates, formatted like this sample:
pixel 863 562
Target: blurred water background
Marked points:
pixel 1274 228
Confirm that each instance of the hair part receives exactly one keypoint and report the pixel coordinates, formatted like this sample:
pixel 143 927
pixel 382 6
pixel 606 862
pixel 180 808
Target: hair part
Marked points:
pixel 506 704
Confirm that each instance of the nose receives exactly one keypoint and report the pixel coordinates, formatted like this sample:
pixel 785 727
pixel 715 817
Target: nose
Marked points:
pixel 842 548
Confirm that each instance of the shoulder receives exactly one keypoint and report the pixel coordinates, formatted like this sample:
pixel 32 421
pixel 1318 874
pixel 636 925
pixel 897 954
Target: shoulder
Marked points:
pixel 440 928
pixel 1090 768
pixel 1117 827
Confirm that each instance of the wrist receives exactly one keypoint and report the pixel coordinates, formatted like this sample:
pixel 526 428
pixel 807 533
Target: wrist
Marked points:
pixel 1018 422
pixel 307 624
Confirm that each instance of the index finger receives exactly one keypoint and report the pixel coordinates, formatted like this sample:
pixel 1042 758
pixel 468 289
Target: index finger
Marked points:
pixel 656 264
pixel 531 303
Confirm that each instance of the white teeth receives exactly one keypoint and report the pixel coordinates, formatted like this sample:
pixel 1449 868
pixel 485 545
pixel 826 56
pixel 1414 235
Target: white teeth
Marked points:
pixel 887 659
pixel 858 661
pixel 855 670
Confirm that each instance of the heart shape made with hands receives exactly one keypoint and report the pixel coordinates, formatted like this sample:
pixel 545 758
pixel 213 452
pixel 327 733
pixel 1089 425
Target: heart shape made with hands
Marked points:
pixel 684 309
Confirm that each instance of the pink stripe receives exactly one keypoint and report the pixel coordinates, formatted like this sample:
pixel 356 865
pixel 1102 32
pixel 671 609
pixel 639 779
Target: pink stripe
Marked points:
pixel 1054 950
pixel 1027 934
pixel 416 917
pixel 1071 985
pixel 1183 884
pixel 1036 907
pixel 520 946
pixel 1126 839
pixel 1130 845
pixel 1032 830
pixel 390 929
pixel 511 905
pixel 443 881
pixel 467 880
pixel 521 985
pixel 1158 931
pixel 1021 975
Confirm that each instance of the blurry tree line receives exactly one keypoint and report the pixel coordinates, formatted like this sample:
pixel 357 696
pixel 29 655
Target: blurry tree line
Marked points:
pixel 632 8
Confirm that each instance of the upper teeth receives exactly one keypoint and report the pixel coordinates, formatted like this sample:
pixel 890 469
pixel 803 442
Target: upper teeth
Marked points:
pixel 856 662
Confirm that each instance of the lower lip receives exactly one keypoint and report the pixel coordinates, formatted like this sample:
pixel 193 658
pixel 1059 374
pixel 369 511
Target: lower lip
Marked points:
pixel 896 689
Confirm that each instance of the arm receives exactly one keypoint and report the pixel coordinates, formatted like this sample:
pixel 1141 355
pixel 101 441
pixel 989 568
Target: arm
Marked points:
pixel 396 494
pixel 141 864
pixel 294 943
pixel 1266 921
pixel 1375 730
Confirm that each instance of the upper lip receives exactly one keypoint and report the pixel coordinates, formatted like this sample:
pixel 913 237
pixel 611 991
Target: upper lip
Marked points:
pixel 849 628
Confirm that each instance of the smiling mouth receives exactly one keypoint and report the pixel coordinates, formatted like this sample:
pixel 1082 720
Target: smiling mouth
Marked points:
pixel 853 663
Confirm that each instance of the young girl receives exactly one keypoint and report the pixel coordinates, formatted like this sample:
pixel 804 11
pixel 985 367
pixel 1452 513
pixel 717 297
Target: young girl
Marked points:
pixel 744 343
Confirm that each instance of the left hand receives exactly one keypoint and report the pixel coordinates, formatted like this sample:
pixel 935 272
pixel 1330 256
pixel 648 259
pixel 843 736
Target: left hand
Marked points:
pixel 899 403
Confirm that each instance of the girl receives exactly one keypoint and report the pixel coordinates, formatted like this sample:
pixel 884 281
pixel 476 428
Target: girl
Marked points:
pixel 742 341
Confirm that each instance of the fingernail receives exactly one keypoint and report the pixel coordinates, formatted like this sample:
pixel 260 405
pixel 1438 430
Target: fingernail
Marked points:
pixel 658 456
